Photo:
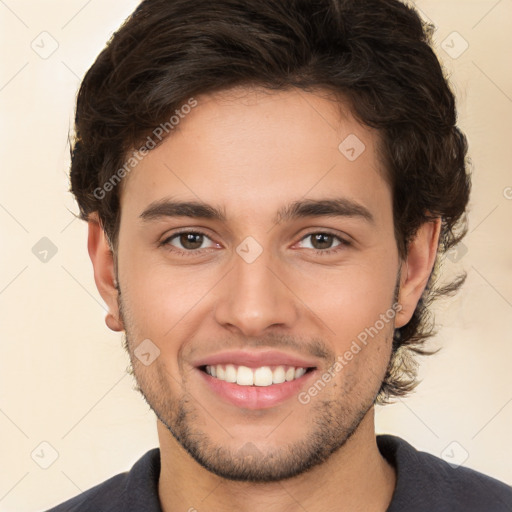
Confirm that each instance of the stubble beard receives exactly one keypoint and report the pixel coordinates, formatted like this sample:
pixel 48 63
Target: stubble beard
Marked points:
pixel 332 422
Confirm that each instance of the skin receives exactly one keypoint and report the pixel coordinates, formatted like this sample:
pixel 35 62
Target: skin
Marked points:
pixel 232 150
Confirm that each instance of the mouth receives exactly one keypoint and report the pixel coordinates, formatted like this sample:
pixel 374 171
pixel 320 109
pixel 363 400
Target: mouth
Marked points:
pixel 261 376
pixel 255 379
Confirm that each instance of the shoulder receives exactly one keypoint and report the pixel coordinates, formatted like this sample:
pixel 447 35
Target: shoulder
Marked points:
pixel 426 482
pixel 133 490
pixel 98 498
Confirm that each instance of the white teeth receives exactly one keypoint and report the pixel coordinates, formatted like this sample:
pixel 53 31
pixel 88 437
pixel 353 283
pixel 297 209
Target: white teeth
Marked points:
pixel 299 372
pixel 262 376
pixel 290 374
pixel 278 375
pixel 244 376
pixel 231 373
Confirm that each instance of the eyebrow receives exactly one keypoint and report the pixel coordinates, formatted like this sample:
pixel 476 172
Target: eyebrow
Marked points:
pixel 337 207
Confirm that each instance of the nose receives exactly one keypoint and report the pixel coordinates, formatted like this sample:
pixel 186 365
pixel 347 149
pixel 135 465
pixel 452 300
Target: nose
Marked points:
pixel 255 296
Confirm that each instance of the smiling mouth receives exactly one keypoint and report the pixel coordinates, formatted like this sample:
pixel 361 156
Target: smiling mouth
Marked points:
pixel 260 376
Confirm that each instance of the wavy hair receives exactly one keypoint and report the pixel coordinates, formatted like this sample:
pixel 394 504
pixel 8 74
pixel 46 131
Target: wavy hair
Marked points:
pixel 377 55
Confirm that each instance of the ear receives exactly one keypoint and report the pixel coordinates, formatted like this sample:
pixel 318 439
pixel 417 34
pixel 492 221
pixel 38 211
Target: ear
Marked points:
pixel 104 275
pixel 416 269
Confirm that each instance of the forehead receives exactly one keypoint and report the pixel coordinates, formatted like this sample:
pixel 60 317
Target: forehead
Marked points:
pixel 253 150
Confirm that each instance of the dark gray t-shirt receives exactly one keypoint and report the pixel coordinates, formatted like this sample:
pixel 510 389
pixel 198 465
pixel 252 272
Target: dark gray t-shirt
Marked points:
pixel 425 483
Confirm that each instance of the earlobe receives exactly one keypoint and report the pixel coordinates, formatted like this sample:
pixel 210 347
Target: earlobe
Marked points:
pixel 417 268
pixel 113 323
pixel 104 275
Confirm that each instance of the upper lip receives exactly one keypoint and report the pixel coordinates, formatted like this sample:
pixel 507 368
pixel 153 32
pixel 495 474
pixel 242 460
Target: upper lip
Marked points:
pixel 256 359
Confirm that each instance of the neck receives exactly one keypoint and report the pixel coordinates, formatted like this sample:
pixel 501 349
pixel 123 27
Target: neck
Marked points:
pixel 356 477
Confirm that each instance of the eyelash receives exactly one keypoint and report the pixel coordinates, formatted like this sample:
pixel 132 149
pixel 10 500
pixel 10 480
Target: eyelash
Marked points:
pixel 166 243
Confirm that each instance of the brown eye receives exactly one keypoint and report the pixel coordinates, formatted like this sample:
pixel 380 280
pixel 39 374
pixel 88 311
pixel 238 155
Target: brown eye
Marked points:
pixel 322 240
pixel 324 243
pixel 191 241
pixel 188 241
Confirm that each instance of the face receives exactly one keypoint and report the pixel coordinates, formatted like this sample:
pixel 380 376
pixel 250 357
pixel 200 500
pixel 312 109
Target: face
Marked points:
pixel 290 263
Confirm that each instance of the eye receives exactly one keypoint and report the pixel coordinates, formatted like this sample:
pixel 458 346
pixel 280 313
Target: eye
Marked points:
pixel 187 242
pixel 190 243
pixel 322 242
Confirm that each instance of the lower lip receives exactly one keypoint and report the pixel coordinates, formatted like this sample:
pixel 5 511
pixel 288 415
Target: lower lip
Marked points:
pixel 256 397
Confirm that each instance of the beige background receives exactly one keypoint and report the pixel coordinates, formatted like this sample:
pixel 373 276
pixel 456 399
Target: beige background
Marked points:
pixel 62 372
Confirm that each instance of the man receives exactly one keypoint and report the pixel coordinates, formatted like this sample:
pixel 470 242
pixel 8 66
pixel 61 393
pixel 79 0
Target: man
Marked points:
pixel 270 187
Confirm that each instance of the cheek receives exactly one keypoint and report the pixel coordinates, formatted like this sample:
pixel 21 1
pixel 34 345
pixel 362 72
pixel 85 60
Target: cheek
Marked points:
pixel 362 321
pixel 159 295
pixel 349 298
pixel 355 307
